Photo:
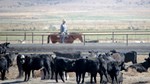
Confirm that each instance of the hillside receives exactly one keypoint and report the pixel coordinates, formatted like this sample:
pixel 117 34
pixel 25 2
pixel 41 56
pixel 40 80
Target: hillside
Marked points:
pixel 73 4
pixel 87 14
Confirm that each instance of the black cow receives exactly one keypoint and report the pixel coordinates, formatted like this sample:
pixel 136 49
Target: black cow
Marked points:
pixel 6 61
pixel 4 64
pixel 71 55
pixel 20 60
pixel 129 56
pixel 141 67
pixel 119 57
pixel 110 65
pixel 36 63
pixel 92 67
pixel 45 57
pixel 119 77
pixel 89 64
pixel 80 69
pixel 61 65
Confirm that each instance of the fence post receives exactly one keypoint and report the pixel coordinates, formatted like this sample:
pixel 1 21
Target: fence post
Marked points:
pixel 42 39
pixel 84 39
pixel 32 37
pixel 112 37
pixel 25 35
pixel 126 39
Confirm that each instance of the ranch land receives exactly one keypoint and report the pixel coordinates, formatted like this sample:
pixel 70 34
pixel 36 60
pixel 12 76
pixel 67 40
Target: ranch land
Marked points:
pixel 123 25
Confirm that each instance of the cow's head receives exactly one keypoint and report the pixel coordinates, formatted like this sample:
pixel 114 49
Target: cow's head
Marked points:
pixel 70 65
pixel 114 67
pixel 147 59
pixel 93 53
pixel 22 59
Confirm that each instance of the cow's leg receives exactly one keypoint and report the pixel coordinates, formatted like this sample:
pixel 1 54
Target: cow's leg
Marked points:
pixel 33 74
pixel 101 77
pixel 52 73
pixel 83 75
pixel 3 72
pixel 112 78
pixel 105 74
pixel 61 76
pixel 116 79
pixel 25 79
pixel 66 75
pixel 56 73
pixel 28 75
pixel 77 78
pixel 43 74
pixel 48 71
pixel 91 81
pixel 20 69
pixel 21 73
pixel 95 78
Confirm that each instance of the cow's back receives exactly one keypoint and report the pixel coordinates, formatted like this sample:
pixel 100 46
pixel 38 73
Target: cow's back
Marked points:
pixel 71 55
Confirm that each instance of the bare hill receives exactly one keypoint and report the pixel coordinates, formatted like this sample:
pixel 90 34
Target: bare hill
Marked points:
pixel 80 14
pixel 28 5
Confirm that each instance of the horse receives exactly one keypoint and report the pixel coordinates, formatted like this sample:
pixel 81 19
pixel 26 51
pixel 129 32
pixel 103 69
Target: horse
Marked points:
pixel 69 38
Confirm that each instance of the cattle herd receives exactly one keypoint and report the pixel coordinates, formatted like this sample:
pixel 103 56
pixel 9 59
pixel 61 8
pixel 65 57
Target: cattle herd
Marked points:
pixel 108 64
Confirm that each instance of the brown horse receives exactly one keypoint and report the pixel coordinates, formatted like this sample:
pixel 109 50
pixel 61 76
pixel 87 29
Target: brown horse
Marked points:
pixel 69 38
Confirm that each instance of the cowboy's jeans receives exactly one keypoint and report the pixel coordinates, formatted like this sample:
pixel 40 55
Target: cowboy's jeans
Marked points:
pixel 62 37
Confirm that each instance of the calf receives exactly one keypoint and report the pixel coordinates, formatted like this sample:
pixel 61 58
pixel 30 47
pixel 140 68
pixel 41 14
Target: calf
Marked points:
pixel 61 65
pixel 35 63
pixel 111 66
pixel 46 57
pixel 141 67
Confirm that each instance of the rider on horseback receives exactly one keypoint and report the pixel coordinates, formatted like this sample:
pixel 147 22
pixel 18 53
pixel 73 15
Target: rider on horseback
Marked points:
pixel 63 31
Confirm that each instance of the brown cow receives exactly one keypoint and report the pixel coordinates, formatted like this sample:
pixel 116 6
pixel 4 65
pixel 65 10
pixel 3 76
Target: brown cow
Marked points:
pixel 69 38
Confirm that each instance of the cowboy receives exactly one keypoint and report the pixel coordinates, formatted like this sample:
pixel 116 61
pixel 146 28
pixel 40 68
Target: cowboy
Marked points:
pixel 63 31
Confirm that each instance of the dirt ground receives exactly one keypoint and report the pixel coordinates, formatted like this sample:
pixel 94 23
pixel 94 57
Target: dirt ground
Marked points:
pixel 130 77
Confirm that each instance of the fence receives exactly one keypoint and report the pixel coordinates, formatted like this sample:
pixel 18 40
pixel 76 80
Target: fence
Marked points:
pixel 102 37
